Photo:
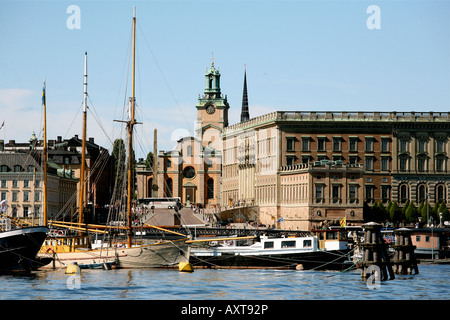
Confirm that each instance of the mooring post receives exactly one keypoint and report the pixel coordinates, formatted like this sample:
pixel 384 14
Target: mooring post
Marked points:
pixel 375 253
pixel 404 258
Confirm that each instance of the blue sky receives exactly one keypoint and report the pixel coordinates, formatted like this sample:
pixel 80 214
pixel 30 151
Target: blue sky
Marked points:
pixel 299 55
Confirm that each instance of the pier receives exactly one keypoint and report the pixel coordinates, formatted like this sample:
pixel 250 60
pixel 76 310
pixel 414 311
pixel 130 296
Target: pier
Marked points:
pixel 404 261
pixel 224 232
pixel 375 253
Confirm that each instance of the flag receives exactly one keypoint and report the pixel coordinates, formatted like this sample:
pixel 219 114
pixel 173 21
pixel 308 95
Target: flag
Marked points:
pixel 2 124
pixel 43 94
pixel 3 206
pixel 343 221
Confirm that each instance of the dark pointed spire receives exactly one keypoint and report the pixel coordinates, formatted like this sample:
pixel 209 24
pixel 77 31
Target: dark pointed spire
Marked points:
pixel 244 112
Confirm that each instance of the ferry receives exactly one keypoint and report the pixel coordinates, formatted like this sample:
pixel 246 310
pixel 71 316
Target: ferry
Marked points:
pixel 323 250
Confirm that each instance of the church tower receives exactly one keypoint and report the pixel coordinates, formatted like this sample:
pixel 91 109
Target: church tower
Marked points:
pixel 244 111
pixel 212 109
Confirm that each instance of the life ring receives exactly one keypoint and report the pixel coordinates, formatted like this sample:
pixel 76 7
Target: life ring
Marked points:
pixel 229 242
pixel 60 233
pixel 50 249
pixel 389 240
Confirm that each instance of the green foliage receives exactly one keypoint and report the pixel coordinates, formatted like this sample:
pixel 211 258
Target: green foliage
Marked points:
pixel 395 213
pixel 149 160
pixel 411 213
pixel 426 211
pixel 445 212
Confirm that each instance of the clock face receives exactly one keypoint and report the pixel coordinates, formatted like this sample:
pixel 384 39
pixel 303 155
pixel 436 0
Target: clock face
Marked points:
pixel 210 109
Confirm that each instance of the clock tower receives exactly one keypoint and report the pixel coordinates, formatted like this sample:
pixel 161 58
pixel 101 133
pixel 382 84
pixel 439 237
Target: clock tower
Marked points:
pixel 212 110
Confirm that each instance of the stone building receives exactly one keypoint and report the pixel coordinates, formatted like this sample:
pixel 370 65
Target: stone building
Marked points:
pixel 192 171
pixel 308 167
pixel 299 169
pixel 64 161
pixel 21 185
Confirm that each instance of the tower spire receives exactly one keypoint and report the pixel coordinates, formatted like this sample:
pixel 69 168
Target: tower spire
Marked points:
pixel 244 112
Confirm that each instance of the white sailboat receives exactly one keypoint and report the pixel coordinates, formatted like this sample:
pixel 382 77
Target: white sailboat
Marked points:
pixel 131 253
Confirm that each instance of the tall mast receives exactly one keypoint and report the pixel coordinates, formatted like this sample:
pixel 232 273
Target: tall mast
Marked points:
pixel 44 161
pixel 130 138
pixel 83 145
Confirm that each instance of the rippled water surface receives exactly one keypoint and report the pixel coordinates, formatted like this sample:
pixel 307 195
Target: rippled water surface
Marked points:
pixel 432 283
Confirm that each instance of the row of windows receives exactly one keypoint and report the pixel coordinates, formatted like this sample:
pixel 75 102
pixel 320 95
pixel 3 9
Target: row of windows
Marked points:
pixel 168 190
pixel 422 191
pixel 422 164
pixel 26 211
pixel 421 145
pixel 404 193
pixel 404 162
pixel 17 168
pixel 337 144
pixel 353 160
pixel 369 143
pixel 352 195
pixel 336 191
pixel 26 196
pixel 15 183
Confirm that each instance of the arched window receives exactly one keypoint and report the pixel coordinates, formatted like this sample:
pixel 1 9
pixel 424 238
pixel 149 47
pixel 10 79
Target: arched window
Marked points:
pixel 421 193
pixel 210 189
pixel 168 191
pixel 404 193
pixel 440 193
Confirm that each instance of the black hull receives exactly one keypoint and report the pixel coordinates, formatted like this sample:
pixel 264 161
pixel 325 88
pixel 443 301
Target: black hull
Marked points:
pixel 319 260
pixel 19 247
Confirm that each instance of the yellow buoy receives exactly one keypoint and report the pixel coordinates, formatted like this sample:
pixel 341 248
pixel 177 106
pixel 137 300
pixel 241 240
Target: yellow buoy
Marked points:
pixel 73 268
pixel 185 267
pixel 299 267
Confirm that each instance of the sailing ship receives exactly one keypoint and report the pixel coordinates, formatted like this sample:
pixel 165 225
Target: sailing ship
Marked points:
pixel 19 246
pixel 322 250
pixel 68 247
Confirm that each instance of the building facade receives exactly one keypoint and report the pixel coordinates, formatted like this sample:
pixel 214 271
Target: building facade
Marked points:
pixel 22 186
pixel 192 171
pixel 302 169
pixel 306 168
pixel 22 176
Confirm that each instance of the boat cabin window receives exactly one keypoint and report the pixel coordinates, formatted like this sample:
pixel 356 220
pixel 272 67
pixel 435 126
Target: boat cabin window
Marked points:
pixel 307 243
pixel 288 244
pixel 268 245
pixel 332 235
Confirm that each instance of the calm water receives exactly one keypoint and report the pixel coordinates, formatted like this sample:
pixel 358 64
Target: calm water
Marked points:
pixel 432 283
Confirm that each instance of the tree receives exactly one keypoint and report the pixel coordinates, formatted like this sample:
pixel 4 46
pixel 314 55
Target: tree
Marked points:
pixel 119 156
pixel 444 210
pixel 121 167
pixel 426 212
pixel 411 213
pixel 378 212
pixel 395 213
pixel 149 160
pixel 405 207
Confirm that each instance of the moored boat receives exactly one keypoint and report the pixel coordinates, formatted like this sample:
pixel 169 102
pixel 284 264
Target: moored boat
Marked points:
pixel 306 252
pixel 19 247
pixel 130 252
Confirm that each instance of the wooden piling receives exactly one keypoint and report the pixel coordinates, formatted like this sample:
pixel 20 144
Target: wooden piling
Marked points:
pixel 404 260
pixel 375 253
